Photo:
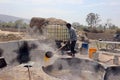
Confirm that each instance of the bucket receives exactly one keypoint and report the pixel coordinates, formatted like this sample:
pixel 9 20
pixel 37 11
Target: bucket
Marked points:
pixel 91 52
pixel 85 45
pixel 46 59
pixel 84 48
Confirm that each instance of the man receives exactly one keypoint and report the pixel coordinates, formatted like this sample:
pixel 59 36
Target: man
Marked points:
pixel 73 38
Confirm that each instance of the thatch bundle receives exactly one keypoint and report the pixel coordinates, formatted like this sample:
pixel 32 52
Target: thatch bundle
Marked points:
pixel 37 22
pixel 54 21
pixel 40 23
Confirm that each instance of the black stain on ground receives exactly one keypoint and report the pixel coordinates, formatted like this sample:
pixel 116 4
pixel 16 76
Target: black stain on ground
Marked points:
pixel 112 72
pixel 23 53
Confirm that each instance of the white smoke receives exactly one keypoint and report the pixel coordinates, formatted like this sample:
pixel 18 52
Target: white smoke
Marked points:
pixel 75 70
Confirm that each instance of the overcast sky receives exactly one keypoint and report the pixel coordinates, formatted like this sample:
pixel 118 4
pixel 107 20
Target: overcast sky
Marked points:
pixel 69 10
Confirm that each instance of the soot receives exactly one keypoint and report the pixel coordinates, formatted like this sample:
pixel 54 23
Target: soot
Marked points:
pixel 24 52
pixel 1 52
pixel 2 60
pixel 112 73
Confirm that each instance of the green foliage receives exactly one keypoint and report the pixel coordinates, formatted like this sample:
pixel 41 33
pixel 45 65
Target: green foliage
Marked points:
pixel 76 25
pixel 118 31
pixel 92 19
pixel 10 24
pixel 16 24
pixel 93 30
pixel 113 27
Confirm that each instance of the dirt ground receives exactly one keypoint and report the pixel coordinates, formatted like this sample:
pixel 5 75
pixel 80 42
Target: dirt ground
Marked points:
pixel 20 72
pixel 104 36
pixel 9 36
pixel 14 34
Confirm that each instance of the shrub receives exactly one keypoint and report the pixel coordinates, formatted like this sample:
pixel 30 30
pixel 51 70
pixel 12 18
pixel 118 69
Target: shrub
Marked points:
pixel 117 31
pixel 93 30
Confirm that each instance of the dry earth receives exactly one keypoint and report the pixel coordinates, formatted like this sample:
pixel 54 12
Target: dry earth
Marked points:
pixel 20 72
pixel 9 36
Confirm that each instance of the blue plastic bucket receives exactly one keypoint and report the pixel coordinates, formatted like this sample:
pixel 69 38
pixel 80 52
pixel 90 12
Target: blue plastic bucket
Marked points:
pixel 85 45
pixel 84 48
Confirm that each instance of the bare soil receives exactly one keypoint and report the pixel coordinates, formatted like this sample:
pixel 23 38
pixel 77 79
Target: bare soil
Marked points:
pixel 20 72
pixel 10 35
pixel 104 36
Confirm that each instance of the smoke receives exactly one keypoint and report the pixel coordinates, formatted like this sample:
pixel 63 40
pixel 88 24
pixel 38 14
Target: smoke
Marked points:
pixel 34 33
pixel 44 44
pixel 74 68
pixel 68 69
pixel 63 68
pixel 46 47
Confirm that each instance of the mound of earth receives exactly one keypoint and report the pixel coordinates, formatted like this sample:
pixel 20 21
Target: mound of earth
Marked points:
pixel 9 36
pixel 104 36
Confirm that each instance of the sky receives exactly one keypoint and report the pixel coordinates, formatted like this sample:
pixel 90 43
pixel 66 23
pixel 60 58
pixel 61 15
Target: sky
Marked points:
pixel 68 10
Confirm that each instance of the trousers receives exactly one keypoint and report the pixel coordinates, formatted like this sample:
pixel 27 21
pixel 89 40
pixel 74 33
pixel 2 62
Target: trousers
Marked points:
pixel 73 43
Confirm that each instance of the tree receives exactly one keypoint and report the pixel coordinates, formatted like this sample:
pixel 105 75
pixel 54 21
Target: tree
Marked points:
pixel 25 25
pixel 4 24
pixel 76 25
pixel 113 27
pixel 11 24
pixel 18 23
pixel 92 19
